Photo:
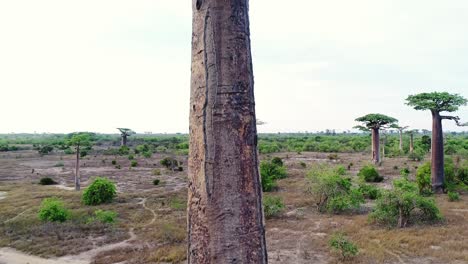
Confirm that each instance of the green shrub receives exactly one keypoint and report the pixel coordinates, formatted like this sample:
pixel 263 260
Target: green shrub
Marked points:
pixel 147 154
pixel 369 174
pixel 156 172
pixel 270 172
pixel 108 217
pixel 156 181
pixel 53 210
pixel 134 163
pixel 453 196
pixel 369 191
pixel 124 150
pixel 333 156
pixel 47 181
pixel 417 155
pixel 44 150
pixel 272 206
pixel 331 192
pixel 340 170
pixel 403 205
pixel 277 161
pixel 100 191
pixel 343 246
pixel 131 157
pixel 303 164
pixel 423 179
pixel 114 162
pixel 169 163
pixel 405 172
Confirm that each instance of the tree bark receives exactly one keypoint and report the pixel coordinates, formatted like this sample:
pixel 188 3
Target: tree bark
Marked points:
pixel 225 217
pixel 77 169
pixel 437 153
pixel 411 143
pixel 123 142
pixel 375 146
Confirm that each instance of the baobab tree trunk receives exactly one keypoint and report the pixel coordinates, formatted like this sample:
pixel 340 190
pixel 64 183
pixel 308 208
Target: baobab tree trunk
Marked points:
pixel 225 218
pixel 411 143
pixel 375 146
pixel 401 140
pixel 77 169
pixel 123 142
pixel 437 153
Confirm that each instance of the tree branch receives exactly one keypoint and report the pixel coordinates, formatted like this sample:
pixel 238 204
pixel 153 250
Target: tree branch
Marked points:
pixel 454 118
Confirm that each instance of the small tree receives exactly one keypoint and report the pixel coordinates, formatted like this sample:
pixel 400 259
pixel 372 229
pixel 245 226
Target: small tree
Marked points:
pixel 411 142
pixel 437 102
pixel 374 122
pixel 400 131
pixel 124 133
pixel 78 141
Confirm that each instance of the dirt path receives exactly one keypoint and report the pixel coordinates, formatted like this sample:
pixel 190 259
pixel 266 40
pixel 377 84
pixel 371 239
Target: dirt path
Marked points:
pixel 12 256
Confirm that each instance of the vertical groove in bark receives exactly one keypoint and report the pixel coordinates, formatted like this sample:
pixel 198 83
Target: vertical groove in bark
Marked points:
pixel 437 153
pixel 225 217
pixel 375 146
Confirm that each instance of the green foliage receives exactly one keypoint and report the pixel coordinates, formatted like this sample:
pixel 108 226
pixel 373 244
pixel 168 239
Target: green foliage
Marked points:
pixel 303 164
pixel 156 181
pixel 333 156
pixel 277 161
pixel 131 157
pixel 100 191
pixel 156 172
pixel 270 172
pixel 404 205
pixel 53 210
pixel 134 163
pixel 340 170
pixel 147 154
pixel 370 121
pixel 423 179
pixel 332 192
pixel 124 150
pixel 453 196
pixel 369 191
pixel 169 162
pixel 107 217
pixel 405 172
pixel 272 206
pixel 114 162
pixel 370 174
pixel 44 150
pixel 436 101
pixel 47 181
pixel 340 244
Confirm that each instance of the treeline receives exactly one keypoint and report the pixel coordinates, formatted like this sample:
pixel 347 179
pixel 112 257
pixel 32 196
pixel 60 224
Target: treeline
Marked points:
pixel 455 143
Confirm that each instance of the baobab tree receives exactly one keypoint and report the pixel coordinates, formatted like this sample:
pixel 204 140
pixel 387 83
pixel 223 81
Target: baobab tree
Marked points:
pixel 437 102
pixel 225 218
pixel 411 141
pixel 400 131
pixel 374 122
pixel 78 141
pixel 124 133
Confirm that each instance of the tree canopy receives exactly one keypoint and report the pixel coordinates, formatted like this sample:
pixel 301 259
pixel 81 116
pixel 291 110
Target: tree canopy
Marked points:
pixel 375 121
pixel 436 101
pixel 80 139
pixel 126 131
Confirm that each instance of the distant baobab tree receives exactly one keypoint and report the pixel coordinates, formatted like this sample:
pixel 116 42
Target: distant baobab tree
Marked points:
pixel 79 140
pixel 400 131
pixel 225 218
pixel 411 142
pixel 374 122
pixel 124 133
pixel 437 102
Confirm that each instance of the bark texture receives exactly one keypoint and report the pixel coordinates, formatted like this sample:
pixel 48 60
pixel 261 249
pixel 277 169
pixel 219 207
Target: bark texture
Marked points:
pixel 375 146
pixel 225 217
pixel 77 169
pixel 437 153
pixel 123 142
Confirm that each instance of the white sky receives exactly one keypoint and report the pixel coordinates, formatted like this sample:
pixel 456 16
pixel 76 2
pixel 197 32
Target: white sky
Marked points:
pixel 94 65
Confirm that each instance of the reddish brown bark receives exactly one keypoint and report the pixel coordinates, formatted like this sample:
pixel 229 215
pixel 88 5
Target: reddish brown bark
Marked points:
pixel 77 169
pixel 375 146
pixel 225 217
pixel 437 153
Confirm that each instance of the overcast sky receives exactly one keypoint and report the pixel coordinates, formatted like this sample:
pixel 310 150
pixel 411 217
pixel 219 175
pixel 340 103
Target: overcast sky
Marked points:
pixel 94 65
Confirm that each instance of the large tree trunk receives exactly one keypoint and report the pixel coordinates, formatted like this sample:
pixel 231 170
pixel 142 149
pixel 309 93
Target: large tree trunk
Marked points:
pixel 375 146
pixel 437 153
pixel 123 142
pixel 411 143
pixel 77 169
pixel 225 217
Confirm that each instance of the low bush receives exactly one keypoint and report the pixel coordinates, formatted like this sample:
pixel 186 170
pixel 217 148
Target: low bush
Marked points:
pixel 303 164
pixel 333 156
pixel 272 206
pixel 147 154
pixel 47 181
pixel 341 245
pixel 277 161
pixel 423 179
pixel 156 181
pixel 100 191
pixel 53 210
pixel 124 150
pixel 156 172
pixel 332 192
pixel 131 157
pixel 108 217
pixel 370 174
pixel 404 205
pixel 369 191
pixel 453 196
pixel 134 163
pixel 169 163
pixel 405 172
pixel 270 172
pixel 114 162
